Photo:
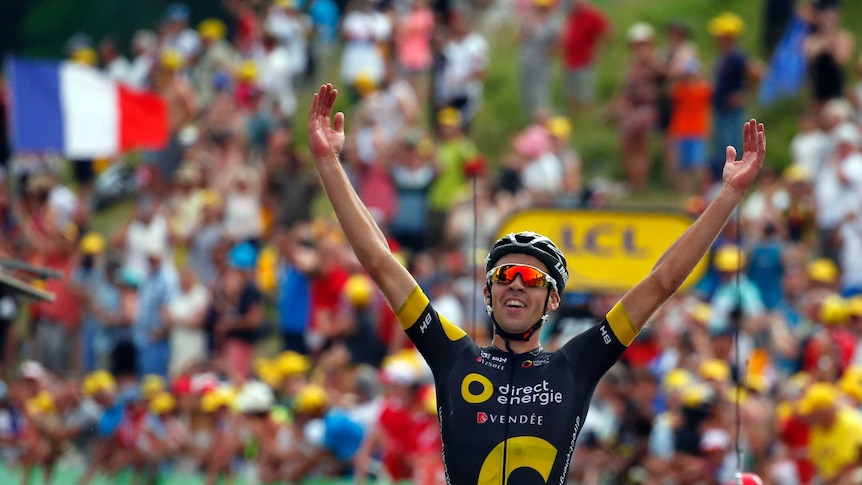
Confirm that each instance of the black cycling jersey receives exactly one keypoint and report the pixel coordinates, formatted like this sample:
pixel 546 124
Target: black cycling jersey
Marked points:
pixel 507 418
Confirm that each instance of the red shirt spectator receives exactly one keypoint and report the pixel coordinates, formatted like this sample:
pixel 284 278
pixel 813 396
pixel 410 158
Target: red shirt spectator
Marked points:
pixel 793 432
pixel 584 28
pixel 395 422
pixel 66 307
pixel 837 343
pixel 326 290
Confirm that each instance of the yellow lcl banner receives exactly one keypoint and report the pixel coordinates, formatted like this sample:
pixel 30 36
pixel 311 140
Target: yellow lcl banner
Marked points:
pixel 607 250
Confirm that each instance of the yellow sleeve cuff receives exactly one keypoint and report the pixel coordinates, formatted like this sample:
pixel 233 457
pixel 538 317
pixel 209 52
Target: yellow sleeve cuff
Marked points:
pixel 622 325
pixel 412 308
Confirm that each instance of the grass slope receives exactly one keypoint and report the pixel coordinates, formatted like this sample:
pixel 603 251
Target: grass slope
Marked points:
pixel 596 139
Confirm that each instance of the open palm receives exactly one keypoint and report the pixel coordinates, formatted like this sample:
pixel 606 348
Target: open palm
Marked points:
pixel 325 137
pixel 741 174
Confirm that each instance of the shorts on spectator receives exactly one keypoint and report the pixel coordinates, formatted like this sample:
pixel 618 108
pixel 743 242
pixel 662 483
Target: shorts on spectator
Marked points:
pixel 691 153
pixel 52 346
pixel 168 160
pixel 580 84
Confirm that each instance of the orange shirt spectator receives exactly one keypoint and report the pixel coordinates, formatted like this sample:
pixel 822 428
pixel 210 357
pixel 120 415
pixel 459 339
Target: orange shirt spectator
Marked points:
pixel 690 113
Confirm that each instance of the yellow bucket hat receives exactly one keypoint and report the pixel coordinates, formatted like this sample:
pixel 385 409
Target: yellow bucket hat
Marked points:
pixel 728 24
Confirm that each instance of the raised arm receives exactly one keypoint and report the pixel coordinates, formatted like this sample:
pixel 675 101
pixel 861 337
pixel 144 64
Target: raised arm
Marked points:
pixel 674 266
pixel 325 139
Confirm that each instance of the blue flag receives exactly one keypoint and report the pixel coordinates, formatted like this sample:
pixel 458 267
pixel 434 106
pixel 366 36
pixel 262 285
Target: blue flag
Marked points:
pixel 786 73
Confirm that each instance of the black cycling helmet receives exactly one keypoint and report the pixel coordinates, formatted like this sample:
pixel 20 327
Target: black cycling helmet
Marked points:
pixel 533 244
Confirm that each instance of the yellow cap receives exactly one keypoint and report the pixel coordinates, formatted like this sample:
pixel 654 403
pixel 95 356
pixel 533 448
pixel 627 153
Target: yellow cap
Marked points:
pixel 358 290
pixel 92 243
pixel 172 59
pixel 290 364
pixel 796 173
pixel 217 398
pixel 85 55
pixel 449 117
pixel 212 29
pixel 756 382
pixel 268 372
pixel 783 411
pixel 736 394
pixel 818 396
pixel 696 394
pixel 854 305
pixel 853 371
pixel 822 270
pixel 676 380
pixel 98 382
pixel 702 313
pixel 41 403
pixel 714 369
pixel 727 24
pixel 543 3
pixel 247 71
pixel 851 382
pixel 284 3
pixel 729 258
pixel 795 385
pixel 560 126
pixel 311 398
pixel 162 403
pixel 151 385
pixel 364 83
pixel 834 310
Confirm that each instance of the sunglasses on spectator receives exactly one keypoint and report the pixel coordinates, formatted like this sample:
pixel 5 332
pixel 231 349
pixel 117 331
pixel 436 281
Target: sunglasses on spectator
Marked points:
pixel 531 276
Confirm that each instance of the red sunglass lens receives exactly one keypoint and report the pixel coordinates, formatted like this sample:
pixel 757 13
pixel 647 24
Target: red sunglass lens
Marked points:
pixel 529 275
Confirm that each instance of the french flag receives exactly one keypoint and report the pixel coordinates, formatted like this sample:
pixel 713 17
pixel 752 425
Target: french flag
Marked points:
pixel 78 111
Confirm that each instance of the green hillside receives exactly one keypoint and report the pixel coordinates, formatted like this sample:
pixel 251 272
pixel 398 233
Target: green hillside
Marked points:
pixel 594 137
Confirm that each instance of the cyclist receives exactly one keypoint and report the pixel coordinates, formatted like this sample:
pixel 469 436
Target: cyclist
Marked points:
pixel 511 412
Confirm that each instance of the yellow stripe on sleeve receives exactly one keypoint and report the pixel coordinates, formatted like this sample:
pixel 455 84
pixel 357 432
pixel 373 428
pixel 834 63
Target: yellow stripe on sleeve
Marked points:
pixel 412 308
pixel 453 332
pixel 622 324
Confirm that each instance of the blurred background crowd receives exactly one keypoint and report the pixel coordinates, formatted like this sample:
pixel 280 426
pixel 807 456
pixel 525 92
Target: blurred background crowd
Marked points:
pixel 218 327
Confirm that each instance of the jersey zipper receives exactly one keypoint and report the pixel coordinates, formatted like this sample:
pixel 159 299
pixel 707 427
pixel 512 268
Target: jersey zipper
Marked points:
pixel 508 408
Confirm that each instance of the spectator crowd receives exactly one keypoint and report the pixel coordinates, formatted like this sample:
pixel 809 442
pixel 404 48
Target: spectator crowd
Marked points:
pixel 223 327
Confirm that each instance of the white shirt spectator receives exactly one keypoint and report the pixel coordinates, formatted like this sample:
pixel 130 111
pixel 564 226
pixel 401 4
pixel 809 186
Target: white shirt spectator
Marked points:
pixel 139 72
pixel 242 216
pixel 188 340
pixel 809 150
pixel 63 203
pixel 275 72
pixel 760 207
pixel 850 233
pixel 362 32
pixel 543 174
pixel 187 42
pixel 832 195
pixel 291 30
pixel 140 237
pixel 400 107
pixel 465 59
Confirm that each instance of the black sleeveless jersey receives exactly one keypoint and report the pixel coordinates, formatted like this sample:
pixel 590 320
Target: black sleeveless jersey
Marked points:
pixel 511 418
